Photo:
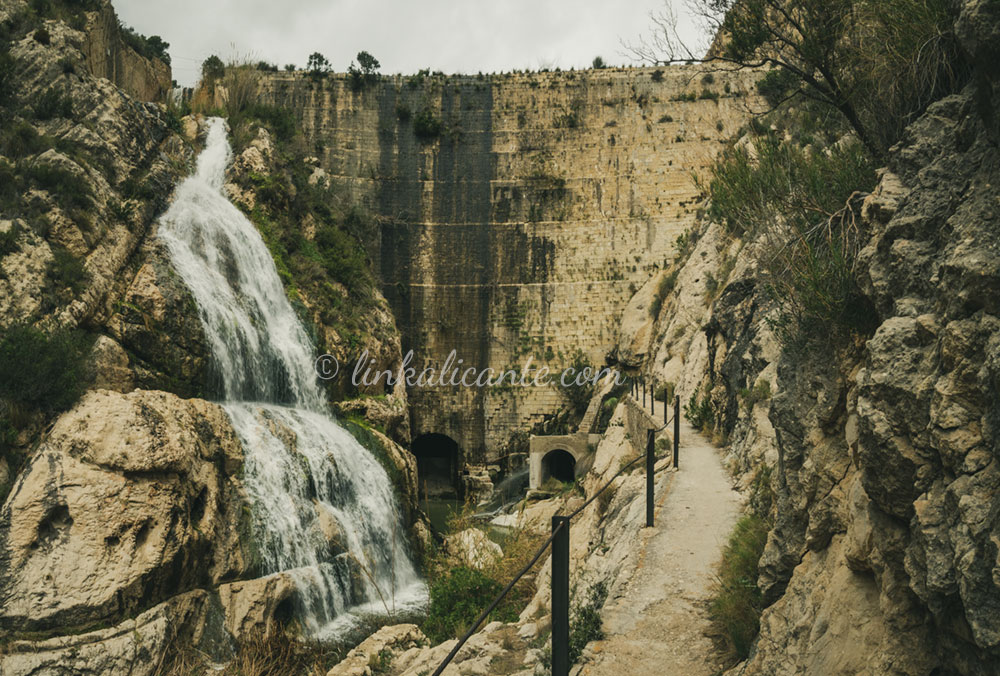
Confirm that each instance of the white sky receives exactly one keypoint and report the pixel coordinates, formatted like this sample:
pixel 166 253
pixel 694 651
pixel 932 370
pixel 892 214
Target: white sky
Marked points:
pixel 448 35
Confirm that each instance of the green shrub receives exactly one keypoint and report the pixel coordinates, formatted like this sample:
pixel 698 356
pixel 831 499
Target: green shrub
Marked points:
pixel 426 125
pixel 53 103
pixel 152 47
pixel 8 239
pixel 700 412
pixel 457 599
pixel 403 112
pixel 663 289
pixel 21 139
pixel 736 605
pixel 365 73
pixel 657 75
pixel 665 118
pixel 8 67
pixel 761 391
pixel 810 268
pixel 707 93
pixel 664 392
pixel 66 270
pixel 212 69
pixel 585 625
pixel 42 36
pixel 606 412
pixel 279 120
pixel 777 85
pixel 67 187
pixel 343 258
pixel 39 370
pixel 318 66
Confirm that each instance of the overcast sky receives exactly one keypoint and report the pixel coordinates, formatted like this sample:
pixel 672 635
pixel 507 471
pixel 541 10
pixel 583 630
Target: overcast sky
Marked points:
pixel 453 36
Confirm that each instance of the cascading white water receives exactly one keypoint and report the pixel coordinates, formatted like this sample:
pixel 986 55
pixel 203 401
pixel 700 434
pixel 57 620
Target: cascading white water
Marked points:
pixel 309 481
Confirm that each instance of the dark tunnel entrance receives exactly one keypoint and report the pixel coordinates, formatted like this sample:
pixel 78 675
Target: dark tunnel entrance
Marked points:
pixel 559 464
pixel 437 465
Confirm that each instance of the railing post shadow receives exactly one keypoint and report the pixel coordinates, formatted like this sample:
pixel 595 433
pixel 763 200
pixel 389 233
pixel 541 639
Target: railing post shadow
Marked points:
pixel 650 463
pixel 560 596
pixel 677 428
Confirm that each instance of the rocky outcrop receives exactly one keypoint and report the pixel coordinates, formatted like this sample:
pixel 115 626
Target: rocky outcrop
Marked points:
pixel 130 499
pixel 108 56
pixel 471 547
pixel 157 323
pixel 136 646
pixel 381 647
pixel 109 162
pixel 882 451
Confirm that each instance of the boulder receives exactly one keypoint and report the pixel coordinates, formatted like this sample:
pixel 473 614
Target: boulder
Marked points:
pixel 136 646
pixel 109 367
pixel 129 500
pixel 251 606
pixel 382 645
pixel 472 547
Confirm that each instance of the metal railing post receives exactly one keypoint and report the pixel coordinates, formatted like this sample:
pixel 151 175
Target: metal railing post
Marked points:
pixel 644 394
pixel 650 463
pixel 677 427
pixel 665 408
pixel 652 398
pixel 560 596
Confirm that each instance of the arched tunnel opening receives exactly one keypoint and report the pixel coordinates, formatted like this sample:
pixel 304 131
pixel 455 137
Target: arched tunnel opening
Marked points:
pixel 437 465
pixel 559 464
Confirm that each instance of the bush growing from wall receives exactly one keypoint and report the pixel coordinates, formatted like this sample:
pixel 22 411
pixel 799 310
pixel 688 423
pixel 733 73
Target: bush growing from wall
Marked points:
pixel 426 125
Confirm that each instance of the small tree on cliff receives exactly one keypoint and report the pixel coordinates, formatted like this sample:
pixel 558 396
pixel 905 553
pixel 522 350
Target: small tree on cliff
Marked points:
pixel 318 66
pixel 878 62
pixel 212 69
pixel 365 73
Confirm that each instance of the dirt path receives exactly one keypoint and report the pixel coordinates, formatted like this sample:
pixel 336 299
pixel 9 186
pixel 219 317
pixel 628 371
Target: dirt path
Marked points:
pixel 658 626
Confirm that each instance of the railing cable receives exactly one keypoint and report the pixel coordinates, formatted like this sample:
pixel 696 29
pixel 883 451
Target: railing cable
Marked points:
pixel 563 522
pixel 496 602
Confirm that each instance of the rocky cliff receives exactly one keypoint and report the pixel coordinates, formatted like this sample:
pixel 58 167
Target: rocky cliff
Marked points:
pixel 882 450
pixel 109 56
pixel 125 526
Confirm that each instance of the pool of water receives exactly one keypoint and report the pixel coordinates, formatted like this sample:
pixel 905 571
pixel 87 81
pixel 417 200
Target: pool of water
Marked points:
pixel 441 510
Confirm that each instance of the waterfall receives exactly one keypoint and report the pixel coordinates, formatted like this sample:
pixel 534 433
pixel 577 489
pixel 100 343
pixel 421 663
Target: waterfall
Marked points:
pixel 323 507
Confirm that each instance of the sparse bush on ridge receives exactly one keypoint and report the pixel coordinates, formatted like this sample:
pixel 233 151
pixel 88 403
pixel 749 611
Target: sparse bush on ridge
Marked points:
pixel 796 198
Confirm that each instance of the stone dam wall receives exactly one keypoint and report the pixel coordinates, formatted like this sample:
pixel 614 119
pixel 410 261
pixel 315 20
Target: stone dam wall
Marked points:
pixel 525 226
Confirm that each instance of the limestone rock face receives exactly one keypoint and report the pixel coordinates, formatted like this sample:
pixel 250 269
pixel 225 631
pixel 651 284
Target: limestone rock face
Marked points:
pixel 135 646
pixel 157 322
pixel 393 640
pixel 251 607
pixel 130 499
pixel 123 151
pixel 471 547
pixel 109 366
pixel 882 453
pixel 109 56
